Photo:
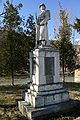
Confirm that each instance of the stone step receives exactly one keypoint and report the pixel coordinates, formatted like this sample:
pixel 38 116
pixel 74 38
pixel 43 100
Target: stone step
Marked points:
pixel 46 87
pixel 47 111
pixel 48 99
pixel 45 93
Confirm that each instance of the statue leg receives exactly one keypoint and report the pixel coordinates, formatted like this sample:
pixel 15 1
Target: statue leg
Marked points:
pixel 37 34
pixel 42 35
pixel 46 32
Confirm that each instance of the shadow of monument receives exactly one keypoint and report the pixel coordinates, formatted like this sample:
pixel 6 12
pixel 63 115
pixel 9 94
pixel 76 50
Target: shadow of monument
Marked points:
pixel 72 86
pixel 70 109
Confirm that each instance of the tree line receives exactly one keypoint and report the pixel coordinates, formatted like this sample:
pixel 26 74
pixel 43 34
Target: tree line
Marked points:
pixel 17 38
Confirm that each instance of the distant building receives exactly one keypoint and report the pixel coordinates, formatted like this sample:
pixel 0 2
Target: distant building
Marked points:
pixel 77 47
pixel 77 71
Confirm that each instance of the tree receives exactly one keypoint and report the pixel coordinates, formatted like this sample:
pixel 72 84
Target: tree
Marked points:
pixel 30 33
pixel 67 51
pixel 77 25
pixel 15 41
pixel 11 20
pixel 11 23
pixel 2 52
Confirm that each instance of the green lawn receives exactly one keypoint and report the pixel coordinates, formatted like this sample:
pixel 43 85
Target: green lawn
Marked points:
pixel 9 95
pixel 74 90
pixel 8 102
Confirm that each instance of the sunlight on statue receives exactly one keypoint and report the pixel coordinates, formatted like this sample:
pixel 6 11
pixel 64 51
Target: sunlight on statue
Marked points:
pixel 41 24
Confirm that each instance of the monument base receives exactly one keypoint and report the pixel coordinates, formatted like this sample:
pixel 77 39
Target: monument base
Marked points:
pixel 47 111
pixel 43 100
pixel 45 95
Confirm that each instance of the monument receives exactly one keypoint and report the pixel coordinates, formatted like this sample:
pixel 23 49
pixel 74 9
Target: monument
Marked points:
pixel 46 93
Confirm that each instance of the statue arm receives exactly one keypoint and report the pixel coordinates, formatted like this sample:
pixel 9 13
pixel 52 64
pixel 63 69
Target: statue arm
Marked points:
pixel 46 18
pixel 43 22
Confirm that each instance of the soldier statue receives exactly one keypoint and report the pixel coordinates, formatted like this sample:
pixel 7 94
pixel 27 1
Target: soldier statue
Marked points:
pixel 41 25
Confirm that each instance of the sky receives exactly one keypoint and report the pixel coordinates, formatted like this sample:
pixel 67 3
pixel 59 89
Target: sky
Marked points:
pixel 32 6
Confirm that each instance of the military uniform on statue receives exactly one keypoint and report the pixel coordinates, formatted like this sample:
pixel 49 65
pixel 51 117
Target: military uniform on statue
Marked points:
pixel 41 25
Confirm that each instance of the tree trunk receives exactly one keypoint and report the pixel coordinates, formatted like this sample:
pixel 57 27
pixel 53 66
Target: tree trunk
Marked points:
pixel 63 73
pixel 12 70
pixel 11 54
pixel 63 68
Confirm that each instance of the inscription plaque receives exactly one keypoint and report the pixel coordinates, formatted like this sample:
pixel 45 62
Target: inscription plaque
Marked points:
pixel 49 69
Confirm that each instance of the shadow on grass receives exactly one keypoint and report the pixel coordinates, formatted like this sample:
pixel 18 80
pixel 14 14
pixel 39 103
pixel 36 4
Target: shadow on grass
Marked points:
pixel 8 106
pixel 13 87
pixel 10 95
pixel 69 111
pixel 72 86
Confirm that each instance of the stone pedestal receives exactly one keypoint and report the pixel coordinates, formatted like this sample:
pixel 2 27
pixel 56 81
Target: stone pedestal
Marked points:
pixel 46 89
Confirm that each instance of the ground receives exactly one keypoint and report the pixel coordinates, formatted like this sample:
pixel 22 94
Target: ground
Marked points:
pixel 9 95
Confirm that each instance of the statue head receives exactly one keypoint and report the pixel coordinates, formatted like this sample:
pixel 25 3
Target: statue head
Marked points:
pixel 42 6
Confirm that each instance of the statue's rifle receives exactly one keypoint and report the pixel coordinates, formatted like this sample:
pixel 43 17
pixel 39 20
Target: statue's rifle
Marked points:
pixel 36 29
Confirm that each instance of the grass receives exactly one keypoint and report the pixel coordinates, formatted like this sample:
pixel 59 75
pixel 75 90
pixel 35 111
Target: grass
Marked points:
pixel 8 102
pixel 74 90
pixel 10 94
pixel 6 78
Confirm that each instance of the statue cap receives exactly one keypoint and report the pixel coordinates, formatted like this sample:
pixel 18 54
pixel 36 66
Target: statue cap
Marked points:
pixel 42 4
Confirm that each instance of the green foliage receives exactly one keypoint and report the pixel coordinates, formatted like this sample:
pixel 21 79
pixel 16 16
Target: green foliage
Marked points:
pixel 77 25
pixel 67 51
pixel 11 17
pixel 31 31
pixel 30 26
pixel 15 41
pixel 3 52
pixel 11 22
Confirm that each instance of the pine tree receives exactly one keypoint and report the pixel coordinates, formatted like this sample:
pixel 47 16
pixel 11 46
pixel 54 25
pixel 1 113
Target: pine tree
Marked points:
pixel 11 22
pixel 77 25
pixel 67 51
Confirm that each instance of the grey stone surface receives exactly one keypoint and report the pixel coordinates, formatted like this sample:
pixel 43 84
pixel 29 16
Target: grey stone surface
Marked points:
pixel 35 113
pixel 41 99
pixel 48 87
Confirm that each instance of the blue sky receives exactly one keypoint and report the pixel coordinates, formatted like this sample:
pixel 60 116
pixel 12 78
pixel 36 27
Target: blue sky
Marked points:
pixel 32 6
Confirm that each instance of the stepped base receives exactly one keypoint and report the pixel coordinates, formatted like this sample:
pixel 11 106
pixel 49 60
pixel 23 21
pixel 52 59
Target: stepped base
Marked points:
pixel 40 96
pixel 47 111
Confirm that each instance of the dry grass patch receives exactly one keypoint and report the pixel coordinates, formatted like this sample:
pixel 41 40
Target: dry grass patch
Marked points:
pixel 9 95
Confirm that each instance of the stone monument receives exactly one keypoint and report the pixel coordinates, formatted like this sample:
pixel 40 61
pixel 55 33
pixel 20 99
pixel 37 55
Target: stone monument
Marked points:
pixel 46 93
